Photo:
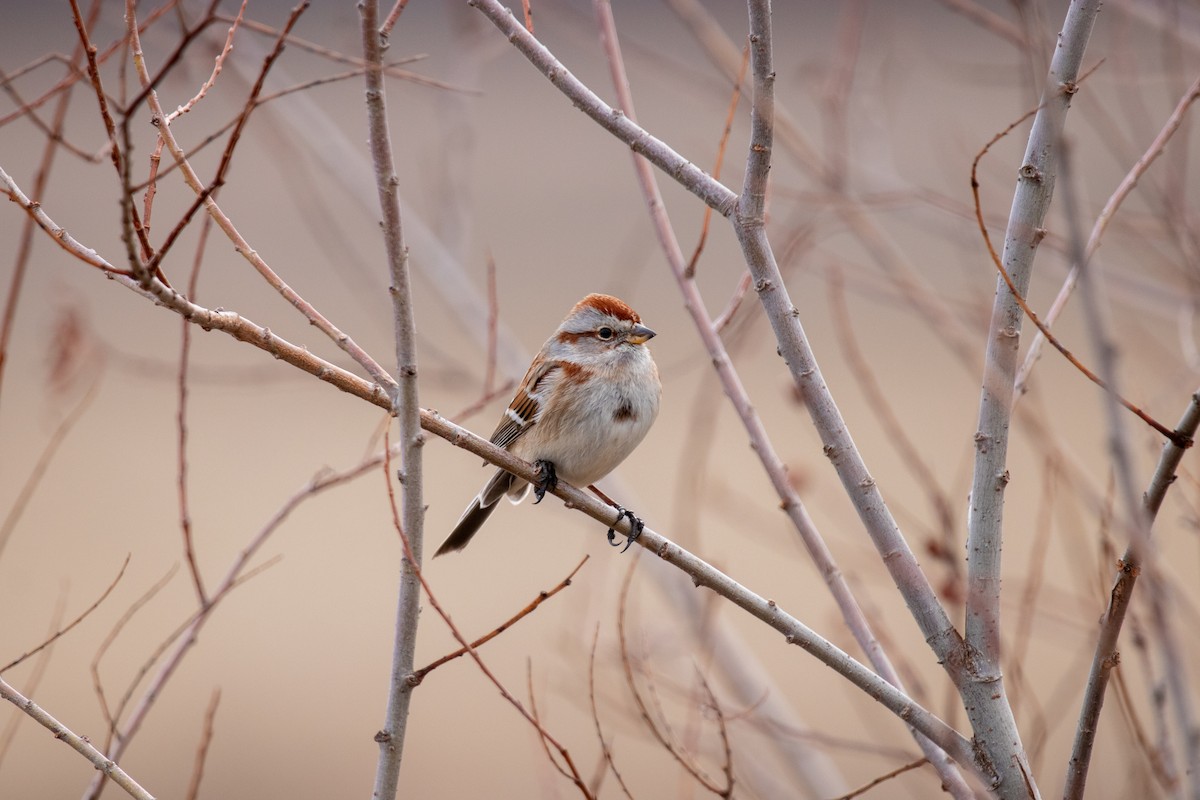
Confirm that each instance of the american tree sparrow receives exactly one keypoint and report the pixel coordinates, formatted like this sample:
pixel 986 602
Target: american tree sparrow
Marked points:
pixel 586 402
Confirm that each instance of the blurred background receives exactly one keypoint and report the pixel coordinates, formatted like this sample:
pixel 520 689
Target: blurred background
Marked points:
pixel 872 220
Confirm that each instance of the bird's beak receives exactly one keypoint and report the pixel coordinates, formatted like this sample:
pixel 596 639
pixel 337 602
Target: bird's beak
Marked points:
pixel 640 334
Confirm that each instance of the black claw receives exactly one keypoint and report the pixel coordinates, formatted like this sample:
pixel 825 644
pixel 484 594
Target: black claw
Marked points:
pixel 636 526
pixel 547 480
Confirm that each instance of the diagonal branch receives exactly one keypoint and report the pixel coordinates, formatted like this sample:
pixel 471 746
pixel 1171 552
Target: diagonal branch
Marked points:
pixel 1107 656
pixel 700 572
pixel 739 398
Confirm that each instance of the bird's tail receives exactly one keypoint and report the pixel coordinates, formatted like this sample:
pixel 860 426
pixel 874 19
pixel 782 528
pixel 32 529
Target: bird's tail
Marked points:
pixel 477 513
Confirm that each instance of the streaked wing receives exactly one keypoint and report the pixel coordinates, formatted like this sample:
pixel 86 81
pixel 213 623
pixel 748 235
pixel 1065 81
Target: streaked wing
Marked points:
pixel 522 412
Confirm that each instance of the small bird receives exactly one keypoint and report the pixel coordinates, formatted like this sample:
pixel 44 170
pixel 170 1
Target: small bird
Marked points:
pixel 586 402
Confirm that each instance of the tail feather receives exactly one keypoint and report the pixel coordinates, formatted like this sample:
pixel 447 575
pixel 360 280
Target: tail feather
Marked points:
pixel 477 513
pixel 472 520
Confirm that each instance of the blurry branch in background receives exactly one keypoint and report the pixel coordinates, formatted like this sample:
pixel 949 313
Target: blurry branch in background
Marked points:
pixel 1018 296
pixel 36 674
pixel 419 675
pixel 905 447
pixel 605 748
pixel 547 739
pixel 122 735
pixel 609 34
pixel 659 728
pixel 839 196
pixel 1135 521
pixel 110 718
pixel 61 431
pixel 75 74
pixel 860 791
pixel 1123 190
pixel 1107 656
pixel 206 736
pixel 104 765
pixel 54 136
pixel 405 407
pixel 749 223
pixel 57 635
pixel 185 346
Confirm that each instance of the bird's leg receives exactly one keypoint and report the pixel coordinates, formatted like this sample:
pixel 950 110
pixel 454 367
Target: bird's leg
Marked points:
pixel 547 480
pixel 635 524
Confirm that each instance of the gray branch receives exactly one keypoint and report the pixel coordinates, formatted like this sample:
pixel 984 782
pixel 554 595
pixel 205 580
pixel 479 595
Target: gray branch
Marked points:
pixel 404 405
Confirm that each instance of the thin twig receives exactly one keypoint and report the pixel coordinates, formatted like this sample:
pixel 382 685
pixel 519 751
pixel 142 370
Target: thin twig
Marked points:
pixel 235 575
pixel 866 787
pixel 381 737
pixel 605 748
pixel 193 791
pixel 134 607
pixel 533 711
pixel 1107 656
pixel 543 596
pixel 690 272
pixel 343 340
pixel 35 675
pixel 385 30
pixel 217 64
pixel 61 431
pixel 1019 297
pixel 73 623
pixel 661 733
pixel 1123 190
pixel 41 180
pixel 185 517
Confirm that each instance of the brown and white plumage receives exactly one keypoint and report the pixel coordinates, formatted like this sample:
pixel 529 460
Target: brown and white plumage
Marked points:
pixel 586 402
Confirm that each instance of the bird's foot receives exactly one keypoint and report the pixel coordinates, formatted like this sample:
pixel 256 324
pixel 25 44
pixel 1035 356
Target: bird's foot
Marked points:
pixel 547 480
pixel 635 528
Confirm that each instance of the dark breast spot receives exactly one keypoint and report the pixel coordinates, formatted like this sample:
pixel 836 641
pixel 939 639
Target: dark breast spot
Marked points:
pixel 624 412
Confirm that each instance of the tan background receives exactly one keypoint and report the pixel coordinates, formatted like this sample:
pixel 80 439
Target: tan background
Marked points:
pixel 301 653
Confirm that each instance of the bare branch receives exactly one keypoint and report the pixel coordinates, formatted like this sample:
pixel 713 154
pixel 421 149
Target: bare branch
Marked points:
pixel 78 743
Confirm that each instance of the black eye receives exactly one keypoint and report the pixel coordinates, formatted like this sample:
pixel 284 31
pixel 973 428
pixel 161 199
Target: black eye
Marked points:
pixel 605 333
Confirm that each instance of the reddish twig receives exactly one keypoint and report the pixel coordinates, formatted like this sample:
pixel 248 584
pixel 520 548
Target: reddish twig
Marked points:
pixel 920 762
pixel 185 518
pixel 218 63
pixel 385 30
pixel 537 718
pixel 605 749
pixel 723 731
pixel 437 606
pixel 43 463
pixel 1020 299
pixel 202 749
pixel 135 606
pixel 735 302
pixel 662 737
pixel 690 272
pixel 1123 190
pixel 35 675
pixel 543 596
pixel 493 321
pixel 63 631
